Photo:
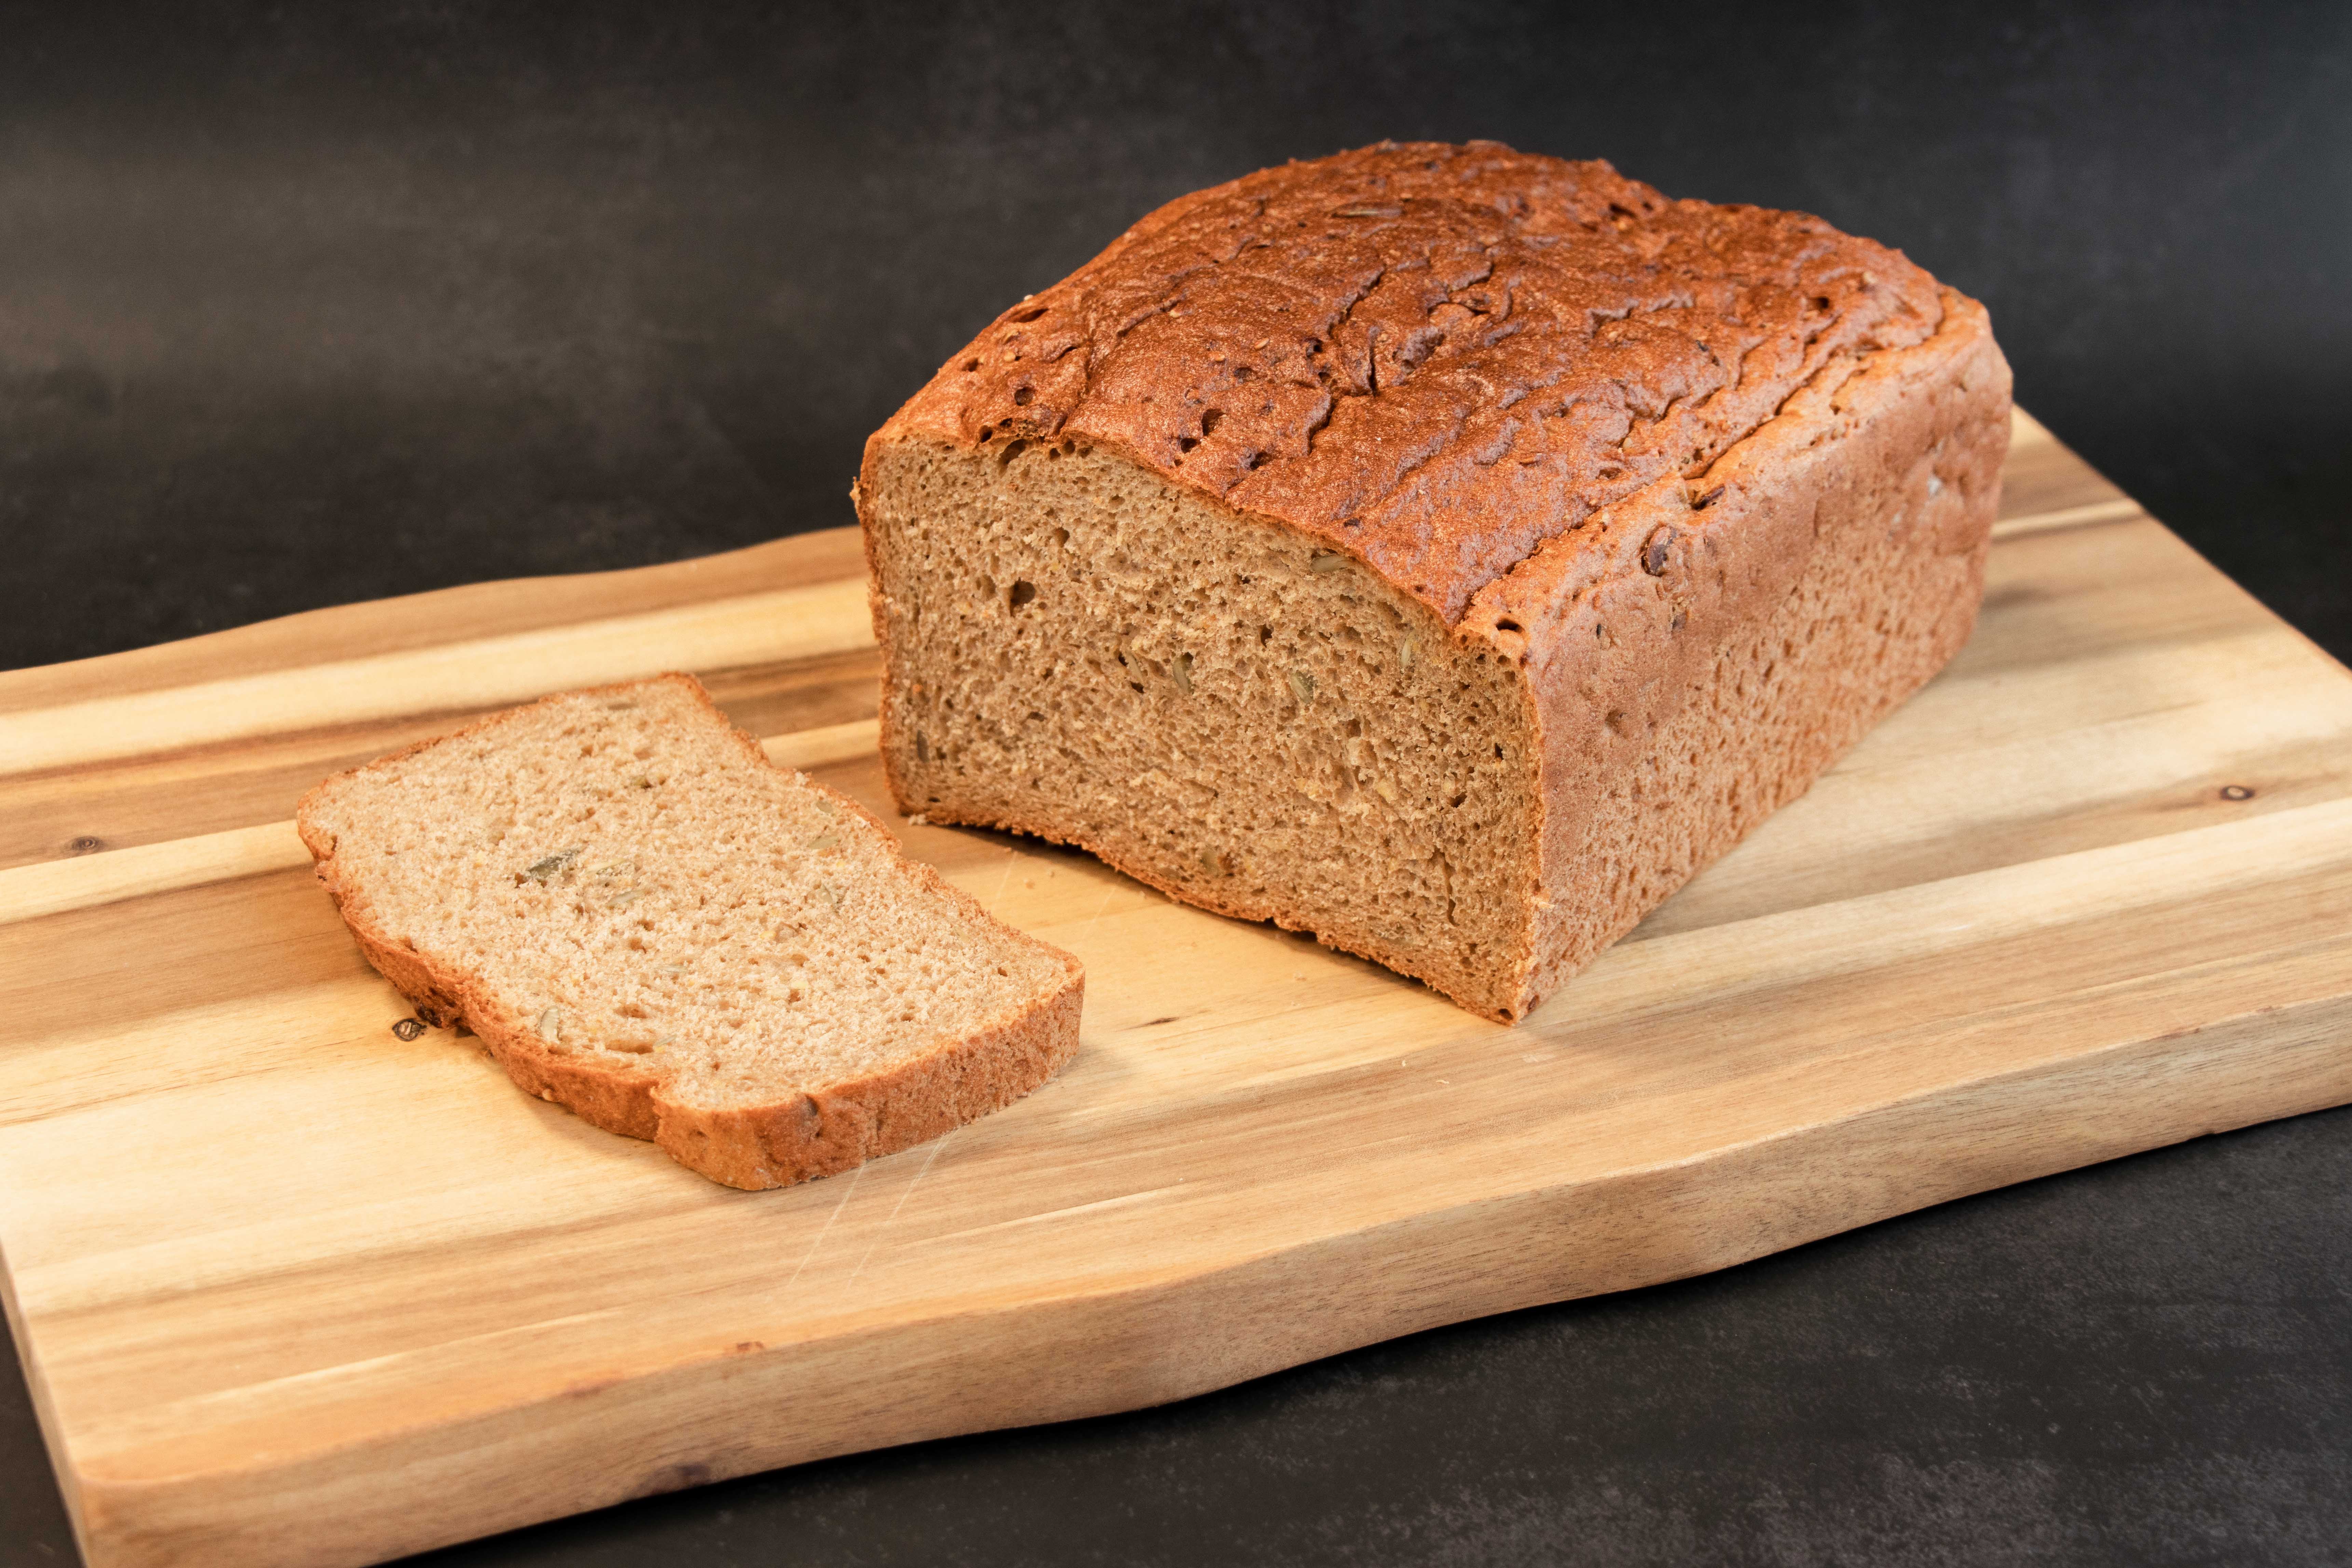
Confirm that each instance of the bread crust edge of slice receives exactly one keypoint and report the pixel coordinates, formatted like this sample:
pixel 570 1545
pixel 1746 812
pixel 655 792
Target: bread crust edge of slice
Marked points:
pixel 809 1133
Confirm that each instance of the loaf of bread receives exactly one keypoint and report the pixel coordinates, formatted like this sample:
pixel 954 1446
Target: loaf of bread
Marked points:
pixel 1445 550
pixel 648 922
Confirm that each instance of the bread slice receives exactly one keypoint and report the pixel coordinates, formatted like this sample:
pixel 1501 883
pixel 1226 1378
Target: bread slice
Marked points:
pixel 648 922
pixel 1441 550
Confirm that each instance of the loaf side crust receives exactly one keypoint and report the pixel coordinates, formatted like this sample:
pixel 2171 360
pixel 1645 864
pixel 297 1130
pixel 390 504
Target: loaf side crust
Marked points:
pixel 753 1147
pixel 1722 640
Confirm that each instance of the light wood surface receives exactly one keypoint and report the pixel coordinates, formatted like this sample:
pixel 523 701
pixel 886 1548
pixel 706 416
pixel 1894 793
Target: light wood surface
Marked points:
pixel 293 1290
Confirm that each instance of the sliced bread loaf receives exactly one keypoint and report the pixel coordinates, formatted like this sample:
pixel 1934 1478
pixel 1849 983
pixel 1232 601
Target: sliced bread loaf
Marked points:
pixel 1443 550
pixel 648 922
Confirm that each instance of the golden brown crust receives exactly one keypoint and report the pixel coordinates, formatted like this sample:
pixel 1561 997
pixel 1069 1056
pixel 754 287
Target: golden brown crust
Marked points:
pixel 839 1126
pixel 1431 357
pixel 1721 641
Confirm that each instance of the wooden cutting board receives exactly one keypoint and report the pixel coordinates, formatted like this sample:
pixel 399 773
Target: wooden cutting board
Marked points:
pixel 295 1288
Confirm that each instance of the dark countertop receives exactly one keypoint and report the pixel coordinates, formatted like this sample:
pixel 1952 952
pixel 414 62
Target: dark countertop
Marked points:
pixel 297 310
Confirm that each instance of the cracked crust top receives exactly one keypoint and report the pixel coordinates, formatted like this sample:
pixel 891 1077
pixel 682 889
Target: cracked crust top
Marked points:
pixel 1434 357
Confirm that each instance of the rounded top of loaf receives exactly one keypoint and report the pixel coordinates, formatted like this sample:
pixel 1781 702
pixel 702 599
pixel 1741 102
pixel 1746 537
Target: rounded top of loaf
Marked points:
pixel 1435 357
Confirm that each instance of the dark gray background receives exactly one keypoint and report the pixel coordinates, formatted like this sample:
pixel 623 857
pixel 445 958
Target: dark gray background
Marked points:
pixel 298 308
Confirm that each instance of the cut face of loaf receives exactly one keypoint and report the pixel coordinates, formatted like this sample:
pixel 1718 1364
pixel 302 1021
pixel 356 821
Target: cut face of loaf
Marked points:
pixel 1223 709
pixel 645 920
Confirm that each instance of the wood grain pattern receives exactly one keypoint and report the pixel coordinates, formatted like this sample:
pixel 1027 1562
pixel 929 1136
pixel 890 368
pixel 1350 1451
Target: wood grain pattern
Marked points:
pixel 294 1290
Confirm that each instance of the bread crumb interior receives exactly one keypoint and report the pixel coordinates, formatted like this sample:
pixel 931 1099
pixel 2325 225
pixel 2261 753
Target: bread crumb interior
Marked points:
pixel 1081 650
pixel 635 888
